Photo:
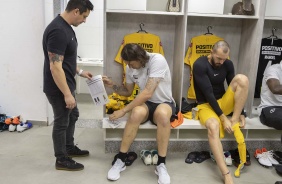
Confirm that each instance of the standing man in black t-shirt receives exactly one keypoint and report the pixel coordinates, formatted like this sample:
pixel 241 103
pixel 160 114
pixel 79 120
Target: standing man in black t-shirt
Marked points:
pixel 215 103
pixel 60 68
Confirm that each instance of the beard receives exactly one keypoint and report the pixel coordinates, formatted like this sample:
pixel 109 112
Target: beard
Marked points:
pixel 215 65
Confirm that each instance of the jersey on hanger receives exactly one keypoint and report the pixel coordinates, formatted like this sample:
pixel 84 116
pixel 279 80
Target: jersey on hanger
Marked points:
pixel 199 46
pixel 270 53
pixel 150 42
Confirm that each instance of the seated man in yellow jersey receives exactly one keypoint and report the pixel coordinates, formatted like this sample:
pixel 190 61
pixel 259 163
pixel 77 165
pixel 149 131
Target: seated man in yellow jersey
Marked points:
pixel 215 103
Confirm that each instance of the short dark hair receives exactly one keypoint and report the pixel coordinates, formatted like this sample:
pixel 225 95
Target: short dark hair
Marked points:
pixel 82 5
pixel 134 52
pixel 221 44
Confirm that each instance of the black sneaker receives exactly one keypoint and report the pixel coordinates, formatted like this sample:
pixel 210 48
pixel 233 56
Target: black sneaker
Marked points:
pixel 76 152
pixel 236 158
pixel 68 164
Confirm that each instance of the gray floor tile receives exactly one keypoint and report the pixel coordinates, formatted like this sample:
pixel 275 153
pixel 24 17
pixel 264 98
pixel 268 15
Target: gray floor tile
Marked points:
pixel 28 158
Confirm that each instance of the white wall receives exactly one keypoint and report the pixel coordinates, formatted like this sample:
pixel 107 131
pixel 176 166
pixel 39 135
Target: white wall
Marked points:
pixel 90 34
pixel 21 63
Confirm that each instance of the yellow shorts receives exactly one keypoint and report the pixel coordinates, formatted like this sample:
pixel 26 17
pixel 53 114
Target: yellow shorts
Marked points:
pixel 226 103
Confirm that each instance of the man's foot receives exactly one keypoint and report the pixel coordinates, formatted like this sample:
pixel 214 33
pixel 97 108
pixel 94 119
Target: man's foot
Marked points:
pixel 228 178
pixel 161 171
pixel 114 172
pixel 76 152
pixel 68 164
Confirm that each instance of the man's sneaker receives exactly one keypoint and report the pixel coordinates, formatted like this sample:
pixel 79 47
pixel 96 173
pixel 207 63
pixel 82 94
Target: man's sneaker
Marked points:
pixel 227 158
pixel 114 172
pixel 161 171
pixel 262 158
pixel 76 152
pixel 12 127
pixel 271 159
pixel 24 126
pixel 68 164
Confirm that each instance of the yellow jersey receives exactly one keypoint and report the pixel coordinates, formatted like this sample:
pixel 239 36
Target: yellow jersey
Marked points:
pixel 199 46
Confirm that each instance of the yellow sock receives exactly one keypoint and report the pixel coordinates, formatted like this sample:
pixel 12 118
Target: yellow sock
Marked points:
pixel 241 147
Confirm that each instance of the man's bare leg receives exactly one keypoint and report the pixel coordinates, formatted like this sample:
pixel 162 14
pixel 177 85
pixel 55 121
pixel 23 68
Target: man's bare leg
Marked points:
pixel 240 86
pixel 138 115
pixel 216 147
pixel 162 119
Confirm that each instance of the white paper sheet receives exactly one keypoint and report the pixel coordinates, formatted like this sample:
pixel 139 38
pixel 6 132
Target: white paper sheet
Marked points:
pixel 97 90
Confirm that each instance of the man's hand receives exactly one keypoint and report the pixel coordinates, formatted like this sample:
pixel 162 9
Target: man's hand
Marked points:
pixel 243 121
pixel 117 114
pixel 226 124
pixel 86 74
pixel 70 101
pixel 108 82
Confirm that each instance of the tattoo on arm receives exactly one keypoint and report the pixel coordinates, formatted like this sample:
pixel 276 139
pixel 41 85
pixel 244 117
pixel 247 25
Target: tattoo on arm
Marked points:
pixel 152 83
pixel 55 57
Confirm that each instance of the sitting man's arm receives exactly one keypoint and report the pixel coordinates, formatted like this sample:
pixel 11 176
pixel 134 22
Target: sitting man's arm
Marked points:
pixel 123 90
pixel 145 95
pixel 202 80
pixel 274 86
pixel 140 99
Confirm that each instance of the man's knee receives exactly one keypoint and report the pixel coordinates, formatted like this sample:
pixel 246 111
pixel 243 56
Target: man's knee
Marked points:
pixel 137 115
pixel 242 80
pixel 162 118
pixel 213 127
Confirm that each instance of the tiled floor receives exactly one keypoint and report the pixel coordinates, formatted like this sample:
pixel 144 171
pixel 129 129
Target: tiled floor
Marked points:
pixel 28 158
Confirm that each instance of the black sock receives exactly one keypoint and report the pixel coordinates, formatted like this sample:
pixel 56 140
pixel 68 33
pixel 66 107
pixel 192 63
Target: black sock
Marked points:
pixel 161 160
pixel 122 156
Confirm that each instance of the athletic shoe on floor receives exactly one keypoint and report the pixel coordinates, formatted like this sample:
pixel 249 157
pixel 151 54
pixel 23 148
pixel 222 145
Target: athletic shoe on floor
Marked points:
pixel 66 163
pixel 114 172
pixel 227 158
pixel 155 157
pixel 12 128
pixel 236 158
pixel 146 156
pixel 271 159
pixel 262 158
pixel 161 171
pixel 23 126
pixel 76 152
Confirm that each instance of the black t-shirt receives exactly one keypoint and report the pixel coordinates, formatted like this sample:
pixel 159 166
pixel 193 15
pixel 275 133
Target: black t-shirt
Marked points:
pixel 270 51
pixel 209 81
pixel 59 38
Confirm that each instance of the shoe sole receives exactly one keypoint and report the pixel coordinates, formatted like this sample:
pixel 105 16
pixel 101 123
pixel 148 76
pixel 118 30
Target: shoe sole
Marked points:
pixel 262 164
pixel 66 169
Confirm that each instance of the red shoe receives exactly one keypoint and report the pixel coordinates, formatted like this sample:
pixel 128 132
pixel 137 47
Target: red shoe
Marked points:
pixel 263 150
pixel 257 152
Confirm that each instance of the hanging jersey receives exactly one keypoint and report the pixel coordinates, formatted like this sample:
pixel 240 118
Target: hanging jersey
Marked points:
pixel 270 53
pixel 199 46
pixel 150 42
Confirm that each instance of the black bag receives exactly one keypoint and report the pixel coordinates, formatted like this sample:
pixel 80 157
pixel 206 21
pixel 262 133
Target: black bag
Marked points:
pixel 272 117
pixel 186 106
